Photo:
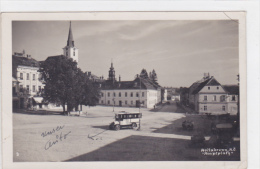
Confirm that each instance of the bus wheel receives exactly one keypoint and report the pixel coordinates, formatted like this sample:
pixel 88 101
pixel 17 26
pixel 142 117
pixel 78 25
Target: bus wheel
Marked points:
pixel 134 126
pixel 117 127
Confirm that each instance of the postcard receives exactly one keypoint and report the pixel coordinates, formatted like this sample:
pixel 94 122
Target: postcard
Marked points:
pixel 132 89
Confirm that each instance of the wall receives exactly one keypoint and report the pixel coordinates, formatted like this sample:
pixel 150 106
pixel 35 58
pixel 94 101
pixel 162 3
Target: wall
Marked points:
pixel 150 97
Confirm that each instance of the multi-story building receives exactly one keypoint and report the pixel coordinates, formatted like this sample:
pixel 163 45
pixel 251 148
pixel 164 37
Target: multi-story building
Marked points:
pixel 209 96
pixel 139 92
pixel 26 71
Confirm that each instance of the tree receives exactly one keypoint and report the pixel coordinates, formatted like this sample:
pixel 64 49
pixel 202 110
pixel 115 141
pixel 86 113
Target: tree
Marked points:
pixel 153 76
pixel 59 75
pixel 144 74
pixel 87 93
pixel 66 84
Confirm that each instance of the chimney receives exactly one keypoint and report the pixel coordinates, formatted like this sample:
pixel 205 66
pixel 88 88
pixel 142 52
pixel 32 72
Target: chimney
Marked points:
pixel 206 76
pixel 119 78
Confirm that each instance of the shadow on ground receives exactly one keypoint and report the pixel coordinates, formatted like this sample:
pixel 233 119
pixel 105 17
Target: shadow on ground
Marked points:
pixel 143 148
pixel 202 125
pixel 38 112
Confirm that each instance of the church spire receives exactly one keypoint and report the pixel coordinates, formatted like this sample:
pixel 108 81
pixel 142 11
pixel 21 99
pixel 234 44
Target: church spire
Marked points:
pixel 111 73
pixel 70 51
pixel 70 41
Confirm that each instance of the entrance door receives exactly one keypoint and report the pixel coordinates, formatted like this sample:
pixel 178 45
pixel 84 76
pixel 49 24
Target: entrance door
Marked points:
pixel 120 103
pixel 137 103
pixel 21 103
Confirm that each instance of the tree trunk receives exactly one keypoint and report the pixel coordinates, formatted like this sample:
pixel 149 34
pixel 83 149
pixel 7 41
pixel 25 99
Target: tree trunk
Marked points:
pixel 63 106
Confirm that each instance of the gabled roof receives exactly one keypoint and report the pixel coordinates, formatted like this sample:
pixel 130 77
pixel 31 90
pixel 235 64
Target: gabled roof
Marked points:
pixel 197 86
pixel 231 89
pixel 135 84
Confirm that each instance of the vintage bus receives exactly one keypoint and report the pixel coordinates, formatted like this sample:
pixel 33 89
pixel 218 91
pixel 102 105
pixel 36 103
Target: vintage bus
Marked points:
pixel 126 120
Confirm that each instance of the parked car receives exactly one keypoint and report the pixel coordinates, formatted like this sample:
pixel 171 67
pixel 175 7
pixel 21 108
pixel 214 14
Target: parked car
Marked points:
pixel 126 120
pixel 187 125
pixel 225 134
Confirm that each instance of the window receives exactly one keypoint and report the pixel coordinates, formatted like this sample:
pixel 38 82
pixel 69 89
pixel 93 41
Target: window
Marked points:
pixel 39 88
pixel 33 76
pixel 125 102
pixel 119 94
pixel 233 98
pixel 28 76
pixel 27 88
pixel 208 88
pixel 131 102
pixel 215 98
pixel 101 101
pixel 137 94
pixel 205 98
pixel 108 102
pixel 114 94
pixel 131 94
pixel 142 94
pixel 74 52
pixel 33 88
pixel 21 88
pixel 217 88
pixel 21 76
pixel 223 108
pixel 102 94
pixel 205 108
pixel 108 94
pixel 223 98
pixel 125 94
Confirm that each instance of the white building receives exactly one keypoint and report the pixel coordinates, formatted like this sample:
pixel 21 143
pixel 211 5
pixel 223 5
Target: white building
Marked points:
pixel 26 71
pixel 129 93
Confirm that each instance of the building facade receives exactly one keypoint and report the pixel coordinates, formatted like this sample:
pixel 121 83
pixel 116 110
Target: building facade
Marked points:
pixel 209 96
pixel 139 92
pixel 26 71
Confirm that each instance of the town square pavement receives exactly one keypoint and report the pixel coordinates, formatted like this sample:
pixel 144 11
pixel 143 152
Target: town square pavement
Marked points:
pixel 46 138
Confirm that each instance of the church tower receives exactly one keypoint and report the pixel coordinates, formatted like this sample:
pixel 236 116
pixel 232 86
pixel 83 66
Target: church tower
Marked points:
pixel 111 74
pixel 70 51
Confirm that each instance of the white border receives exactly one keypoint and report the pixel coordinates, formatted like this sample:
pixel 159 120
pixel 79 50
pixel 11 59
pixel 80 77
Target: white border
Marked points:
pixel 251 7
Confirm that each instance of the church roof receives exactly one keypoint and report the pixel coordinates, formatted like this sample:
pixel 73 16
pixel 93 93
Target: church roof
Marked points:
pixel 70 41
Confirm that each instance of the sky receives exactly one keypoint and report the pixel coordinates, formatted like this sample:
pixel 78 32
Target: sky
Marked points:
pixel 179 51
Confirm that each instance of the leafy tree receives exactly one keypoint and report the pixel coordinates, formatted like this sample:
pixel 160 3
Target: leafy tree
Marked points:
pixel 66 84
pixel 59 75
pixel 144 74
pixel 87 93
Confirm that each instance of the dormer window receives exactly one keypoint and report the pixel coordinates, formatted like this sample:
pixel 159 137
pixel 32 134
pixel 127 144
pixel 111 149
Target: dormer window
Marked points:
pixel 217 88
pixel 208 88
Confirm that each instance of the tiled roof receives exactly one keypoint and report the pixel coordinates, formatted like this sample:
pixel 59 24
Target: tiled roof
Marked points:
pixel 135 84
pixel 197 86
pixel 24 61
pixel 231 89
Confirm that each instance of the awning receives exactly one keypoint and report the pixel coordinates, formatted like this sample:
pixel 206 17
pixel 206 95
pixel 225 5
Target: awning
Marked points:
pixel 38 99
